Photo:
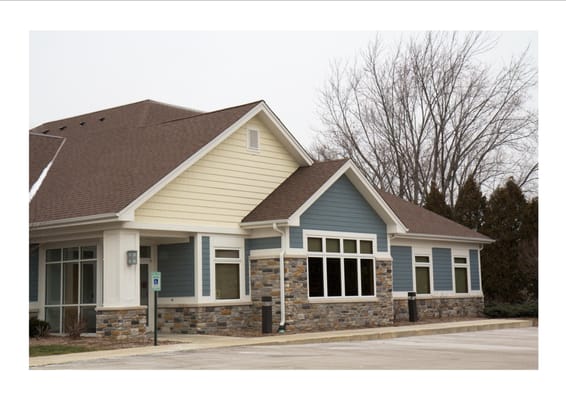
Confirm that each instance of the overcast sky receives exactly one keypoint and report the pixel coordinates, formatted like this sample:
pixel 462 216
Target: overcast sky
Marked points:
pixel 72 73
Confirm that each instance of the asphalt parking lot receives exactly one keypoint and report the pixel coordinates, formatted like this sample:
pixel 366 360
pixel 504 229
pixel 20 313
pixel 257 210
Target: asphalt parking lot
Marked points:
pixel 510 349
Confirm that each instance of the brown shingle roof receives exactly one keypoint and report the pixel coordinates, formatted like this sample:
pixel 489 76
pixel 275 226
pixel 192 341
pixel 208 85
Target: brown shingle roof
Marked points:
pixel 42 149
pixel 420 220
pixel 106 164
pixel 294 192
pixel 299 187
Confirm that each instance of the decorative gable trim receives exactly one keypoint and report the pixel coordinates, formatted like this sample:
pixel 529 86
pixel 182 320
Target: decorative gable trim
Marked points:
pixel 394 224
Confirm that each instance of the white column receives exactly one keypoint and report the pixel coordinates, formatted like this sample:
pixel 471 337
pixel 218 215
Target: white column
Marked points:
pixel 121 282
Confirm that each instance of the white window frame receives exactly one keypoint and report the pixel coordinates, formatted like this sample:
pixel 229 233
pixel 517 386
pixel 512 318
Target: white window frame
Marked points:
pixel 420 253
pixel 43 280
pixel 341 236
pixel 221 242
pixel 249 140
pixel 466 266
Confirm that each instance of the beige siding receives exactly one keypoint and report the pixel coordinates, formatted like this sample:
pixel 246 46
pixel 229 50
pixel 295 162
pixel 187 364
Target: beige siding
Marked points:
pixel 225 185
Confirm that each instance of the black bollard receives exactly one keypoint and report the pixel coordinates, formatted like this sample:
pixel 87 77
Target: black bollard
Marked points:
pixel 413 315
pixel 266 314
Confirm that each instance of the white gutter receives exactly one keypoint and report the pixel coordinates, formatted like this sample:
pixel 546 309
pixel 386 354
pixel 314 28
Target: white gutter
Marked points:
pixel 281 277
pixel 74 221
pixel 425 236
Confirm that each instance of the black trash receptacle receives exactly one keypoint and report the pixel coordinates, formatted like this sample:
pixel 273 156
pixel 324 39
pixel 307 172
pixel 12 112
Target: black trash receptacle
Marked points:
pixel 413 315
pixel 266 320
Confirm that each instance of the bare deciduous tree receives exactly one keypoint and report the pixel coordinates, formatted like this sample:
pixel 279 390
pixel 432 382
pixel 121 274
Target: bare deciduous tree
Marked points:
pixel 431 111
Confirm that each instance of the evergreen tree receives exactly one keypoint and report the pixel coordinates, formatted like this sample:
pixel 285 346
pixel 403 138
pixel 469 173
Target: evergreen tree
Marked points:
pixel 435 202
pixel 503 279
pixel 470 206
pixel 528 248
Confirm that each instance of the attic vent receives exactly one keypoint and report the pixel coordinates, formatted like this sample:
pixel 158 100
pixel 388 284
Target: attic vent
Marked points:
pixel 101 119
pixel 82 123
pixel 62 128
pixel 253 140
pixel 45 131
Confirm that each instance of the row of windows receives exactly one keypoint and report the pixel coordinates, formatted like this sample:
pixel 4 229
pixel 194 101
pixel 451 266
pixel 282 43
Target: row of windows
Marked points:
pixel 337 267
pixel 423 274
pixel 340 267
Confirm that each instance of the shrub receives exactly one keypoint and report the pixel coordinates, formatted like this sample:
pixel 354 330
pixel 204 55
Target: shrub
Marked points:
pixel 38 328
pixel 75 327
pixel 506 310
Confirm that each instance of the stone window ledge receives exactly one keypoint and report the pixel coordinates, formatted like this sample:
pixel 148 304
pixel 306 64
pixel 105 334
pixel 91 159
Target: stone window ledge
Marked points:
pixel 216 304
pixel 118 308
pixel 330 300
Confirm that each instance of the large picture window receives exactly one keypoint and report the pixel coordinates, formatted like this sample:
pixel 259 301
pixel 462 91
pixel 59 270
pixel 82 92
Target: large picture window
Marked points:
pixel 70 288
pixel 340 267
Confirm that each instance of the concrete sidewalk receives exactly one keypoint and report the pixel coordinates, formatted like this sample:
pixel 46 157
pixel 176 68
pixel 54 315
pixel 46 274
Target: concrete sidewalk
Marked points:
pixel 198 342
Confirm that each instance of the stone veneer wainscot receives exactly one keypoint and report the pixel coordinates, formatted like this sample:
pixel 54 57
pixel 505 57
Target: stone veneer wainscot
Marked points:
pixel 441 307
pixel 121 323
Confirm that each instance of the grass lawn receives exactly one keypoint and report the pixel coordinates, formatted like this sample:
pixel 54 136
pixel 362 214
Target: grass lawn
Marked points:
pixel 53 345
pixel 53 349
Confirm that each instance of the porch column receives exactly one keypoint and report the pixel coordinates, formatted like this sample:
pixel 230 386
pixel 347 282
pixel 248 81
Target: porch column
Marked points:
pixel 120 280
pixel 121 315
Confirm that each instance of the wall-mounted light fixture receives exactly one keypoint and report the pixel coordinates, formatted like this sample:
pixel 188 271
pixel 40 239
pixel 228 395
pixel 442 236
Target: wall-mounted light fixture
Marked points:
pixel 132 257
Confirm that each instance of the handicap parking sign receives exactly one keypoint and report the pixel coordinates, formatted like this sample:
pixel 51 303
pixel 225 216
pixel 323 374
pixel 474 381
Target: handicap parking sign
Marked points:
pixel 156 281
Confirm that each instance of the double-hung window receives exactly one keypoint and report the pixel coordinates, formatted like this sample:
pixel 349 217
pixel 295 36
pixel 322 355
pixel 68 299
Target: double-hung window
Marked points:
pixel 340 267
pixel 461 267
pixel 422 274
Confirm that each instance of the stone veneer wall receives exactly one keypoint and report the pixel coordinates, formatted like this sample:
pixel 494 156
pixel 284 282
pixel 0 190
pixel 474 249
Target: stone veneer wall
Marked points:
pixel 238 320
pixel 301 315
pixel 123 323
pixel 441 307
pixel 305 316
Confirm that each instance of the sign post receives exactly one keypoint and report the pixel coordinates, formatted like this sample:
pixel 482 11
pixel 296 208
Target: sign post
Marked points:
pixel 156 286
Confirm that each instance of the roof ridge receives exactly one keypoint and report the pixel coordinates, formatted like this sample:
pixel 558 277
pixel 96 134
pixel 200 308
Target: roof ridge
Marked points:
pixel 46 135
pixel 90 113
pixel 344 160
pixel 211 112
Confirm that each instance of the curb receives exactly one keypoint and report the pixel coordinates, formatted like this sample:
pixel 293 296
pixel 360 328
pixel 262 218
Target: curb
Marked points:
pixel 399 332
pixel 291 339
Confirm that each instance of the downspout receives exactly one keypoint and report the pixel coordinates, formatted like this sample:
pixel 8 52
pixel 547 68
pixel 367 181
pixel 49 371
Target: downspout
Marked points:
pixel 281 278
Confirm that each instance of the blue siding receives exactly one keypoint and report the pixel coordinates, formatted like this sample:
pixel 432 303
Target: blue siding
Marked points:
pixel 33 271
pixel 258 244
pixel 177 266
pixel 474 270
pixel 343 209
pixel 442 268
pixel 402 268
pixel 206 266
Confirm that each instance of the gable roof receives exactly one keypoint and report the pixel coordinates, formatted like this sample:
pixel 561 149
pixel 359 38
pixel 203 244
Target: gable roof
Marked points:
pixel 298 192
pixel 287 200
pixel 116 155
pixel 288 197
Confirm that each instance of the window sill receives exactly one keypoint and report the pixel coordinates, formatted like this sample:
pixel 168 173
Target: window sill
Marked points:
pixel 356 299
pixel 440 295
